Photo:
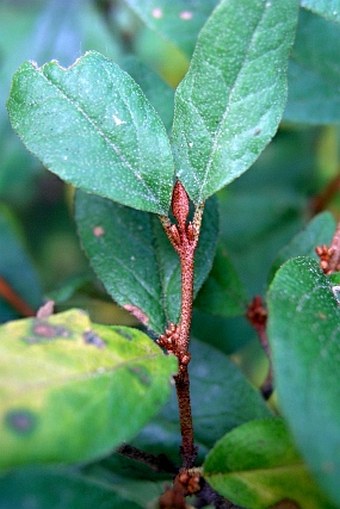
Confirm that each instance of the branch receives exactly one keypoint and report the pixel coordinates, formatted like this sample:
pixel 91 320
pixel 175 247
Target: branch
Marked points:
pixel 320 202
pixel 184 236
pixel 12 298
pixel 159 463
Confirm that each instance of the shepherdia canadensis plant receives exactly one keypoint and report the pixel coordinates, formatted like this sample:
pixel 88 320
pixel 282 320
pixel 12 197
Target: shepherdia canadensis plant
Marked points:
pixel 85 420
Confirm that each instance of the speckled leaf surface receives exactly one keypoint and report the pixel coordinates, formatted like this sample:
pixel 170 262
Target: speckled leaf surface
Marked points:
pixel 72 390
pixel 329 9
pixel 230 103
pixel 304 333
pixel 132 256
pixel 92 125
pixel 178 21
pixel 257 465
pixel 160 95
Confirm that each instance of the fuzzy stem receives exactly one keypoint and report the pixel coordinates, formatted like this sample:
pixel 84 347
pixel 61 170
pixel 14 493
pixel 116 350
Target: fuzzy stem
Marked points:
pixel 184 238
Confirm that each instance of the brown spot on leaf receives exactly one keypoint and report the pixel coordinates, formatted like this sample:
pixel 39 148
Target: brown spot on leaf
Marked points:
pixel 137 313
pixel 98 231
pixel 125 332
pixel 43 331
pixel 91 338
pixel 47 330
pixel 21 421
pixel 142 374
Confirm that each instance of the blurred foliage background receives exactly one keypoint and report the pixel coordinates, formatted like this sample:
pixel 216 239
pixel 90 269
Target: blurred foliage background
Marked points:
pixel 296 177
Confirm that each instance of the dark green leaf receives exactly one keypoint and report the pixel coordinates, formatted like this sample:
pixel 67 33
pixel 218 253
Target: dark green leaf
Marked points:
pixel 329 9
pixel 156 90
pixel 257 466
pixel 105 136
pixel 304 334
pixel 319 230
pixel 67 381
pixel 223 293
pixel 221 398
pixel 230 103
pixel 133 257
pixel 178 21
pixel 58 489
pixel 16 269
pixel 314 72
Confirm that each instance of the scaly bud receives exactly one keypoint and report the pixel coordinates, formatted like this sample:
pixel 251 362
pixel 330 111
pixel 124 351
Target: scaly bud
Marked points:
pixel 180 204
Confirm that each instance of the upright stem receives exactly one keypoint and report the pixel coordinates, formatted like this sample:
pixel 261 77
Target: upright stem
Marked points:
pixel 184 238
pixel 182 379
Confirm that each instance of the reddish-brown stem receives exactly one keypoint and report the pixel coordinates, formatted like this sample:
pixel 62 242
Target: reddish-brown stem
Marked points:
pixel 184 238
pixel 10 296
pixel 159 463
pixel 321 201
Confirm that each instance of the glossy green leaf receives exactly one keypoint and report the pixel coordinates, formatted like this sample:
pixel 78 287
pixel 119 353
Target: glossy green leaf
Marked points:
pixel 58 488
pixel 105 137
pixel 178 21
pixel 230 103
pixel 156 90
pixel 314 72
pixel 257 466
pixel 329 9
pixel 304 334
pixel 16 269
pixel 223 293
pixel 221 397
pixel 319 230
pixel 67 381
pixel 132 256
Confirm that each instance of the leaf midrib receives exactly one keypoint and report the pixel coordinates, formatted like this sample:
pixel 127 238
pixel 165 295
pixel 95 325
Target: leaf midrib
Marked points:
pixel 81 377
pixel 100 132
pixel 219 130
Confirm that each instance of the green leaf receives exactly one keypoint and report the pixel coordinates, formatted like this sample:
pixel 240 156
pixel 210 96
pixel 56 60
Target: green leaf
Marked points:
pixel 221 397
pixel 72 390
pixel 156 90
pixel 178 21
pixel 16 269
pixel 319 230
pixel 230 103
pixel 223 293
pixel 58 488
pixel 304 335
pixel 129 478
pixel 329 9
pixel 257 466
pixel 105 137
pixel 132 256
pixel 314 72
